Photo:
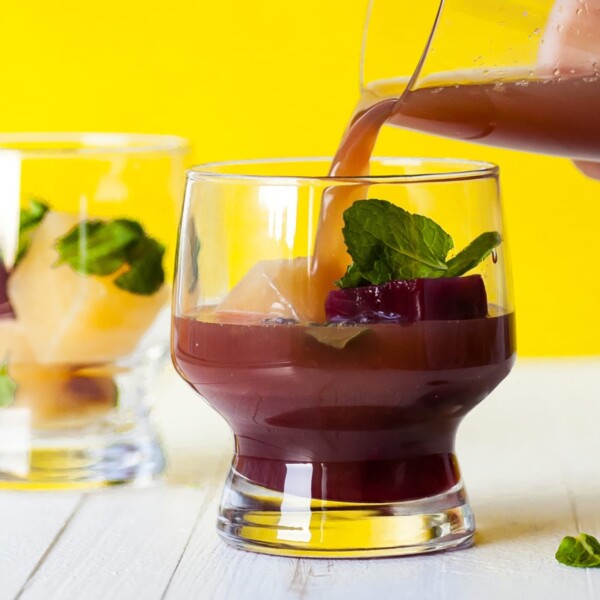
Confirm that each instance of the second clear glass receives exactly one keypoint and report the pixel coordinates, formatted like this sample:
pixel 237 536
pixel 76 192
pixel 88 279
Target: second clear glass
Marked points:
pixel 87 234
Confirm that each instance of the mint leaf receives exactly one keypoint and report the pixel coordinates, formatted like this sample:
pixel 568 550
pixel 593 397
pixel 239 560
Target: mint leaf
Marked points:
pixel 477 251
pixel 98 247
pixel 146 274
pixel 8 387
pixel 352 278
pixel 33 215
pixel 582 551
pixel 105 247
pixel 335 335
pixel 194 247
pixel 29 219
pixel 387 243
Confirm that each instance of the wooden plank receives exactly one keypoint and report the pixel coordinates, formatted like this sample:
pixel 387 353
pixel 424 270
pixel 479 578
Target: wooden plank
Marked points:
pixel 522 485
pixel 29 524
pixel 195 436
pixel 121 544
pixel 528 457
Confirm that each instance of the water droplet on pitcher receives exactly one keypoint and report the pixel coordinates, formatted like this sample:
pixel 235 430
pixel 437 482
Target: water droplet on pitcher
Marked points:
pixel 494 256
pixel 559 28
pixel 579 11
pixel 556 72
pixel 536 31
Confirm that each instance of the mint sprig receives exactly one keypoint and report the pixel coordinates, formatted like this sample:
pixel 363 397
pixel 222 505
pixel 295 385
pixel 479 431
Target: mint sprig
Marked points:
pixel 388 243
pixel 582 551
pixel 105 247
pixel 29 219
pixel 477 251
pixel 8 387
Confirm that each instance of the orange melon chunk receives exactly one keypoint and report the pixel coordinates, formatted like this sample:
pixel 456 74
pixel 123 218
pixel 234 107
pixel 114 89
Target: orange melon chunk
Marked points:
pixel 73 318
pixel 14 345
pixel 62 397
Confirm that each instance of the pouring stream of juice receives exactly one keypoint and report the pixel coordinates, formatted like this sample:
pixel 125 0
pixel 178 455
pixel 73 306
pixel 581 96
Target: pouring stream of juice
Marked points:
pixel 552 113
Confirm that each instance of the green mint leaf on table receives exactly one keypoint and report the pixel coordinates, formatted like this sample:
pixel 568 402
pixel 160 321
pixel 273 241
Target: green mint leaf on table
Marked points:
pixel 8 387
pixel 29 218
pixel 388 243
pixel 581 551
pixel 105 247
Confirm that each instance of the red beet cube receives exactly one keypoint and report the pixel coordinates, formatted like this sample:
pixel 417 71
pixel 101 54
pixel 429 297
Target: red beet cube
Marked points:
pixel 442 299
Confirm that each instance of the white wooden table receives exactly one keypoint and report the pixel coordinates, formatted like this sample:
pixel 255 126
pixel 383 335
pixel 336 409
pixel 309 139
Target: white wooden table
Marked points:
pixel 530 457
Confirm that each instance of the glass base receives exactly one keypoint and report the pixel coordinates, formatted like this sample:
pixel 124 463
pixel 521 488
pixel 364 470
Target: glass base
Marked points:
pixel 83 462
pixel 261 520
pixel 90 432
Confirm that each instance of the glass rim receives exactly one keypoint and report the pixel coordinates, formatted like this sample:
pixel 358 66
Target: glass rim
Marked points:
pixel 465 169
pixel 58 143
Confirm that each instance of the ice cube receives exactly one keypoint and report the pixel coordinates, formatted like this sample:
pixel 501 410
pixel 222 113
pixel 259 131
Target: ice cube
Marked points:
pixel 271 288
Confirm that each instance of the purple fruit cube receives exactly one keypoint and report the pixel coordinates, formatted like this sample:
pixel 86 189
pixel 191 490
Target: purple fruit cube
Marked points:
pixel 447 298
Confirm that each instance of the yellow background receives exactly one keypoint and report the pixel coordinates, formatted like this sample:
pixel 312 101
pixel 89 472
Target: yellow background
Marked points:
pixel 269 78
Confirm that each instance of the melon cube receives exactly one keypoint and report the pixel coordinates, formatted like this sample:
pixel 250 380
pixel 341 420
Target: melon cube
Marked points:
pixel 72 318
pixel 62 397
pixel 14 345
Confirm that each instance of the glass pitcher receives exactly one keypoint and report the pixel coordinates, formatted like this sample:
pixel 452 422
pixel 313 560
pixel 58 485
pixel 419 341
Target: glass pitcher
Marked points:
pixel 521 74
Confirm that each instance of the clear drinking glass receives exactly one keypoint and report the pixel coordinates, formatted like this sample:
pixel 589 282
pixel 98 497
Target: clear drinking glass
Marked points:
pixel 87 234
pixel 516 73
pixel 344 417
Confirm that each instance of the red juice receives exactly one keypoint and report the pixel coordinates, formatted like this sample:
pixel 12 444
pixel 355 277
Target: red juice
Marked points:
pixel 547 115
pixel 372 421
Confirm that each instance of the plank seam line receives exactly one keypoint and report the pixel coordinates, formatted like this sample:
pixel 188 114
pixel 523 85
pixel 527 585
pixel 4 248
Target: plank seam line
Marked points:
pixel 572 498
pixel 51 547
pixel 212 488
